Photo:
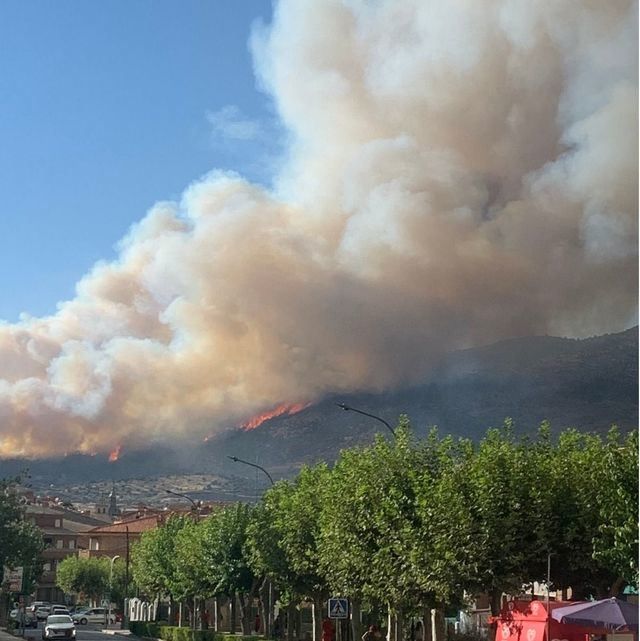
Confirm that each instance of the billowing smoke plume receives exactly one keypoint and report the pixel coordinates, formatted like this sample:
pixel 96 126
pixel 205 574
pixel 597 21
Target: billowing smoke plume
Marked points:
pixel 459 172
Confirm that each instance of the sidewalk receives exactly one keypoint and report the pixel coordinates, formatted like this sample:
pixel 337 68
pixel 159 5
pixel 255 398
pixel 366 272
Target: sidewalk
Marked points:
pixel 5 636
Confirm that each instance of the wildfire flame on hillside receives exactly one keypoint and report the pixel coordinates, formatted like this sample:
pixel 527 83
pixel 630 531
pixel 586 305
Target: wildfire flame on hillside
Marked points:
pixel 114 455
pixel 282 409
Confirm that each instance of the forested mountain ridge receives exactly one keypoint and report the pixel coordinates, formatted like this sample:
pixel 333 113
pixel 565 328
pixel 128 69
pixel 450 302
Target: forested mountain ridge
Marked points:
pixel 589 384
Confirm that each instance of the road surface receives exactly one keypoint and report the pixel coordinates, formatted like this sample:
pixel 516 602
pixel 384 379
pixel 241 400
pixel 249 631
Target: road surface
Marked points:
pixel 89 632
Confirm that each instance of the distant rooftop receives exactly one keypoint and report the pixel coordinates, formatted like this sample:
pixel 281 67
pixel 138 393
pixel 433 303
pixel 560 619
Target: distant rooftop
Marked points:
pixel 67 515
pixel 134 525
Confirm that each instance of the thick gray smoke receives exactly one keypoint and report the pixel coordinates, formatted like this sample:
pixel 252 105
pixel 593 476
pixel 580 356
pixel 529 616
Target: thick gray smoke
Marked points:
pixel 460 171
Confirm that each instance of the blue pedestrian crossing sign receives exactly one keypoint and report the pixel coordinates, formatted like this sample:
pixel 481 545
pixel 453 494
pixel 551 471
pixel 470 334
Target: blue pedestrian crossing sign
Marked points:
pixel 338 608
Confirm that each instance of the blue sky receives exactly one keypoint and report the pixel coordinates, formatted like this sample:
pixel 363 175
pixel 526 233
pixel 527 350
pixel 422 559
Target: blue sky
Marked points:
pixel 106 108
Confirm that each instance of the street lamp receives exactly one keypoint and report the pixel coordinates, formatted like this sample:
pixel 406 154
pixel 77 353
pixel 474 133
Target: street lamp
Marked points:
pixel 113 558
pixel 184 496
pixel 347 408
pixel 235 459
pixel 269 615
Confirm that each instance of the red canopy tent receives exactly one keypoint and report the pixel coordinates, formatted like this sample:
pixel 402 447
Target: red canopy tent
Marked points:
pixel 530 621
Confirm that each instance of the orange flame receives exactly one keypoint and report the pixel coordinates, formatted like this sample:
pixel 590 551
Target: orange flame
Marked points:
pixel 114 455
pixel 282 409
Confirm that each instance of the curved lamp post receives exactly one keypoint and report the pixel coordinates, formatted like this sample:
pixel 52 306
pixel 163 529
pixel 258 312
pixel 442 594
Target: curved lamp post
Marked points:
pixel 348 408
pixel 196 507
pixel 235 459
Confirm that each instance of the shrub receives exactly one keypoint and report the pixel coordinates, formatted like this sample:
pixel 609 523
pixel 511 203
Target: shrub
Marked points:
pixel 145 629
pixel 166 632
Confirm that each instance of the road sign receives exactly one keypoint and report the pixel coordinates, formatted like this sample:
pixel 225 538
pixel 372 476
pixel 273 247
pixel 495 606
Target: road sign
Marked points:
pixel 14 578
pixel 338 608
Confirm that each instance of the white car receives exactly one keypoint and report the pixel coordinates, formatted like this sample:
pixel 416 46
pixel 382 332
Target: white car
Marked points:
pixel 93 615
pixel 59 609
pixel 43 612
pixel 59 626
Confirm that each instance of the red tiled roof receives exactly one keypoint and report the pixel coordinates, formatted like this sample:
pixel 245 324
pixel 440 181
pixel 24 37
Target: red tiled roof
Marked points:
pixel 133 525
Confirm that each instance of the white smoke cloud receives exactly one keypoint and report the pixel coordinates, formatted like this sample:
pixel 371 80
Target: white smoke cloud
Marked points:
pixel 459 172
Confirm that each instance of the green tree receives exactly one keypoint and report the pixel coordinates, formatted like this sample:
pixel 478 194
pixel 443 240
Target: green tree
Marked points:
pixel 154 560
pixel 369 524
pixel 441 545
pixel 615 545
pixel 267 557
pixel 86 578
pixel 20 542
pixel 214 560
pixel 496 487
pixel 296 521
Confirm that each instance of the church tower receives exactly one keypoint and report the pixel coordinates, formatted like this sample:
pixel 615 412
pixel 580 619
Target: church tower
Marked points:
pixel 113 510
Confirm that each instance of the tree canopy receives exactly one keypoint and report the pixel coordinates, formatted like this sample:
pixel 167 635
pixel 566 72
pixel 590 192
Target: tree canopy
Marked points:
pixel 409 523
pixel 20 541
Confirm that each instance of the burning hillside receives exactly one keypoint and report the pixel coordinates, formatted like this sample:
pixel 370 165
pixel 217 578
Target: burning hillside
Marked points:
pixel 457 173
pixel 114 455
pixel 282 409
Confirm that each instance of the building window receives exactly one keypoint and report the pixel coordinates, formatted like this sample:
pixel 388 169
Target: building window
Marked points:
pixel 59 543
pixel 48 542
pixel 72 544
pixel 57 522
pixel 47 567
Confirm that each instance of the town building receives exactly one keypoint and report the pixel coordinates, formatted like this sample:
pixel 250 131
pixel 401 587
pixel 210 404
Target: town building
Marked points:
pixel 117 538
pixel 62 535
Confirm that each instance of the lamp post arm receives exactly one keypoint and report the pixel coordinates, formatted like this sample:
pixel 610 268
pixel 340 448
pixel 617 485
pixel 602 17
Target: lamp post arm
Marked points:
pixel 184 496
pixel 235 459
pixel 348 408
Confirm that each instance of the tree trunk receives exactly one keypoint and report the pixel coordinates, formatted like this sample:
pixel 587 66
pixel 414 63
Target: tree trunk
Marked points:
pixel 495 601
pixel 291 618
pixel 439 631
pixel 245 613
pixel 427 627
pixel 399 626
pixel 617 587
pixel 390 625
pixel 265 607
pixel 232 615
pixel 217 614
pixel 299 622
pixel 246 603
pixel 317 618
pixel 356 623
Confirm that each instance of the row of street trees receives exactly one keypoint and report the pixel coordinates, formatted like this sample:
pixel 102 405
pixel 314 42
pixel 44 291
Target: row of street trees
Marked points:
pixel 410 526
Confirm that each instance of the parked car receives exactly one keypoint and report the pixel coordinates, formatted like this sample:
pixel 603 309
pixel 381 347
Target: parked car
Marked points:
pixel 78 608
pixel 59 626
pixel 60 609
pixel 93 615
pixel 43 612
pixel 37 604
